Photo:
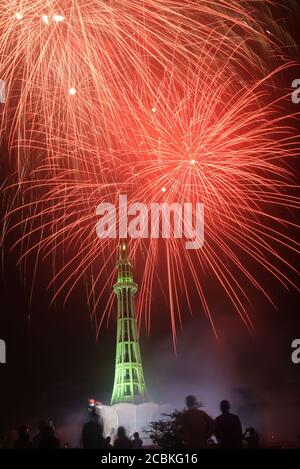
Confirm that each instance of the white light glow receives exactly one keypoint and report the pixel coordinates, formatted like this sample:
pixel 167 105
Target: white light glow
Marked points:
pixel 58 18
pixel 45 19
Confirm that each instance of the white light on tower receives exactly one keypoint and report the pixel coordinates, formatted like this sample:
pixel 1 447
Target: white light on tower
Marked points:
pixel 72 91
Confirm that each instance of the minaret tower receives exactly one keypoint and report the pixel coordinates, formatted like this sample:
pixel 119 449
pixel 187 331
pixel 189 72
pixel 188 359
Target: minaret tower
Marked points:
pixel 129 384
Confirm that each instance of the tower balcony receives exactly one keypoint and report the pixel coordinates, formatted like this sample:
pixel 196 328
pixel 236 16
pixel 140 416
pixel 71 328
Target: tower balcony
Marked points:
pixel 125 283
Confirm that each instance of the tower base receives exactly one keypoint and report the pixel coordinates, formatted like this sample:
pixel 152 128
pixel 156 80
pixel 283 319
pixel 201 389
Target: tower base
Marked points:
pixel 133 417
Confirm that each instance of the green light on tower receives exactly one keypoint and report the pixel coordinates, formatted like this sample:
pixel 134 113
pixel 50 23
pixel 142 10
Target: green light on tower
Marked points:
pixel 129 383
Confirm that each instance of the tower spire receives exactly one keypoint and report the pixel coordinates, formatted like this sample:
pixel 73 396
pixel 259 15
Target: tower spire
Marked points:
pixel 129 383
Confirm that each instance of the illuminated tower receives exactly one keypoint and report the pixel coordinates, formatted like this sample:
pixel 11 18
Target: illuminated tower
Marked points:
pixel 129 384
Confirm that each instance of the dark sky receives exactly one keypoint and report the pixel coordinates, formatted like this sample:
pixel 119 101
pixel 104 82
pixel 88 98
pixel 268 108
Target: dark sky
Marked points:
pixel 54 363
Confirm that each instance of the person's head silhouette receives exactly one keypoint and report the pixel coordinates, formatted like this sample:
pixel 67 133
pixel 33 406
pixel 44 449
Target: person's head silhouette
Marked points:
pixel 136 435
pixel 225 406
pixel 121 432
pixel 191 402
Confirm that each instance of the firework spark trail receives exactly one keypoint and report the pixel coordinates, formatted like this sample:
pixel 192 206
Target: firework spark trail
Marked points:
pixel 170 101
pixel 82 75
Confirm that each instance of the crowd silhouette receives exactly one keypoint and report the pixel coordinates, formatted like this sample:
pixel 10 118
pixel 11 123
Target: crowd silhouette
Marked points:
pixel 193 427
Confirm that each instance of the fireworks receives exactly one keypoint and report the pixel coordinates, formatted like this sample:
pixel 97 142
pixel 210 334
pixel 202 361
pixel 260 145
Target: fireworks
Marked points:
pixel 162 100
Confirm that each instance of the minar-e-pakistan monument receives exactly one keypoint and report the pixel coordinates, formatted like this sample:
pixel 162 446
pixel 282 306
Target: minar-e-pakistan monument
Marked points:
pixel 130 406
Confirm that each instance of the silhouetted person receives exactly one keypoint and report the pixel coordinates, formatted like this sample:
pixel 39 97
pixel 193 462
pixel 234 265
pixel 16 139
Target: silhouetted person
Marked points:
pixel 137 443
pixel 49 440
pixel 228 429
pixel 194 425
pixel 37 438
pixel 251 438
pixel 108 444
pixel 92 434
pixel 122 441
pixel 23 442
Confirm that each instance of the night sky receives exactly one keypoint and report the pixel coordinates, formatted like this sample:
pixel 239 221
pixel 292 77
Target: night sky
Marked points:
pixel 54 364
